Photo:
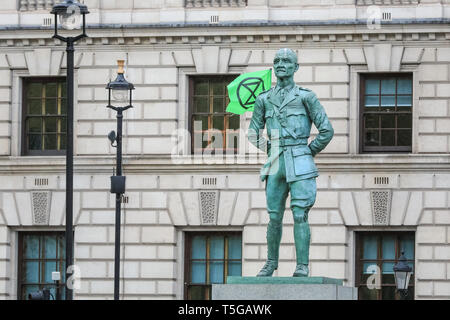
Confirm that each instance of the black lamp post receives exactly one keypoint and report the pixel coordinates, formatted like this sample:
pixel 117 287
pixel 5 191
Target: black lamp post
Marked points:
pixel 71 15
pixel 402 273
pixel 120 90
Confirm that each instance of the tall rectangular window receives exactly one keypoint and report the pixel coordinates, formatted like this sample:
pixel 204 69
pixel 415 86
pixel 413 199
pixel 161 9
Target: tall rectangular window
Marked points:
pixel 210 258
pixel 40 254
pixel 376 255
pixel 44 116
pixel 386 113
pixel 212 129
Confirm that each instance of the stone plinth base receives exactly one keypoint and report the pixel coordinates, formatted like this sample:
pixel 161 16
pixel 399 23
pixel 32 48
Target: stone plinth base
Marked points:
pixel 283 288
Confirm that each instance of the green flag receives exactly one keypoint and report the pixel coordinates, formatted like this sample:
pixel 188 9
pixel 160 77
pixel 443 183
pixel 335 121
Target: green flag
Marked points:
pixel 245 88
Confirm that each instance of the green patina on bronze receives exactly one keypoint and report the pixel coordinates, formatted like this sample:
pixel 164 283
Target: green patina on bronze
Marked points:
pixel 283 280
pixel 288 111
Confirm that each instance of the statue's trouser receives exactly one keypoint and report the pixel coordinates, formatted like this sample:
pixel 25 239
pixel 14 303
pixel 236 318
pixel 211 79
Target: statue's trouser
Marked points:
pixel 303 196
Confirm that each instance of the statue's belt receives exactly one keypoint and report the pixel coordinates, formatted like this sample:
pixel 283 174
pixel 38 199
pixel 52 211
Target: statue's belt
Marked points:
pixel 285 142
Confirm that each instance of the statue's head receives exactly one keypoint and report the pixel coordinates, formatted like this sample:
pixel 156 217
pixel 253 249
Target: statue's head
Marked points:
pixel 285 63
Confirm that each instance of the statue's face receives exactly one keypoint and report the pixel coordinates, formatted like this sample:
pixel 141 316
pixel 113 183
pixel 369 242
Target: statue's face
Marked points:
pixel 285 63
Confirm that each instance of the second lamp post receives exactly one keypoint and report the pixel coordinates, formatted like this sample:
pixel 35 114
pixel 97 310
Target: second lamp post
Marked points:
pixel 120 92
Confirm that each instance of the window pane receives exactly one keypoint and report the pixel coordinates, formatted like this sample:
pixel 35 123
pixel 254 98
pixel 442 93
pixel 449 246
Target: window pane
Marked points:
pixel 404 137
pixel 371 121
pixel 51 90
pixel 370 247
pixel 388 86
pixel 372 101
pixel 216 271
pixel 388 121
pixel 34 90
pixel 63 89
pixel 388 293
pixel 50 107
pixel 218 122
pixel 35 125
pixel 387 101
pixel 388 268
pixel 388 247
pixel 63 106
pixel 234 121
pixel 201 104
pixel 50 266
pixel 234 247
pixel 232 140
pixel 50 142
pixel 388 276
pixel 34 142
pixel 31 247
pixel 201 88
pixel 404 121
pixel 50 247
pixel 407 246
pixel 370 268
pixel 404 101
pixel 218 104
pixel 216 245
pixel 200 123
pixel 372 138
pixel 404 86
pixel 63 124
pixel 50 124
pixel 29 289
pixel 198 247
pixel 234 268
pixel 63 142
pixel 388 137
pixel 198 272
pixel 30 272
pixel 35 106
pixel 218 88
pixel 372 86
pixel 367 294
pixel 197 293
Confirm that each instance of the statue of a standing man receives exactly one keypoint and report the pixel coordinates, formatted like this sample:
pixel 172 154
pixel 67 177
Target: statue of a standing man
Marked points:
pixel 288 112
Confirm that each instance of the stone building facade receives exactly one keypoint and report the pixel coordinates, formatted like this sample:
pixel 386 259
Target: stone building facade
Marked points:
pixel 172 194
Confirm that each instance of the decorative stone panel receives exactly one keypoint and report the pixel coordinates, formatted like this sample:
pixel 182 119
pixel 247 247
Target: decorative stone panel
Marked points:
pixel 215 3
pixel 384 2
pixel 381 207
pixel 40 204
pixel 208 206
pixel 31 5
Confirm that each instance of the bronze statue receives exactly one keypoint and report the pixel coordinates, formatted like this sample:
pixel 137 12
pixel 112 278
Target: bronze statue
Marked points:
pixel 288 111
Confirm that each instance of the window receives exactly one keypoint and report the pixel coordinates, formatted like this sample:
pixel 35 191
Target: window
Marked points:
pixel 44 116
pixel 213 130
pixel 210 258
pixel 40 254
pixel 386 113
pixel 377 252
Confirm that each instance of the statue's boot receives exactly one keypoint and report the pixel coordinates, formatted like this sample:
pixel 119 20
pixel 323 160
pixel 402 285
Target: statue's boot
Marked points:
pixel 302 236
pixel 274 230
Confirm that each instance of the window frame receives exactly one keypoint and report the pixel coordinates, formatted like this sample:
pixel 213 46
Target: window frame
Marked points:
pixel 191 83
pixel 359 262
pixel 187 256
pixel 24 145
pixel 20 261
pixel 363 76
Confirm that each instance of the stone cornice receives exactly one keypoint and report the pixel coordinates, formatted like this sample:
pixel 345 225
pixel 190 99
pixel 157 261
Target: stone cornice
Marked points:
pixel 164 165
pixel 234 35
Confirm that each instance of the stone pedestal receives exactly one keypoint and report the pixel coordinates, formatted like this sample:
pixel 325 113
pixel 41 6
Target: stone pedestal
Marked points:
pixel 283 288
